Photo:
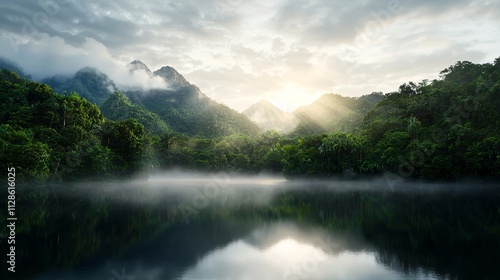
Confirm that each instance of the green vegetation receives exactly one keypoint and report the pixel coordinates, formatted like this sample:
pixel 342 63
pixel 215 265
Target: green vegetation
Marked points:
pixel 45 135
pixel 333 112
pixel 6 64
pixel 436 130
pixel 94 86
pixel 442 129
pixel 187 110
pixel 118 107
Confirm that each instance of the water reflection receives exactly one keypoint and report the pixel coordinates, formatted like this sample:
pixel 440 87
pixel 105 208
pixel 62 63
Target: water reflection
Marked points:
pixel 329 257
pixel 280 250
pixel 267 229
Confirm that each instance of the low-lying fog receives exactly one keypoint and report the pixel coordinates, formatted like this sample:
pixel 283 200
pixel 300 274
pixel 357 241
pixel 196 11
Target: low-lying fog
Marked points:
pixel 211 188
pixel 187 225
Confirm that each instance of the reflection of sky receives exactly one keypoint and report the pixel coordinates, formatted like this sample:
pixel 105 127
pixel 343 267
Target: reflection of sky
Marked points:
pixel 289 259
pixel 281 251
pixel 260 250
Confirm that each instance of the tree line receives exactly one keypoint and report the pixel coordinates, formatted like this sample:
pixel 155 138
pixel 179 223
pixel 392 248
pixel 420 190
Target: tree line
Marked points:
pixel 438 129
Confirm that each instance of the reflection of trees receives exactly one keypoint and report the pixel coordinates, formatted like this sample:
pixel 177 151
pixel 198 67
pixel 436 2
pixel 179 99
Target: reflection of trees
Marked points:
pixel 449 234
pixel 61 231
pixel 453 235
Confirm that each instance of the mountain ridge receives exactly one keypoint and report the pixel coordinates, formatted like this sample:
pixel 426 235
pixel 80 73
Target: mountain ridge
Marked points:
pixel 180 105
pixel 183 107
pixel 172 77
pixel 90 83
pixel 7 64
pixel 330 112
pixel 138 65
pixel 267 116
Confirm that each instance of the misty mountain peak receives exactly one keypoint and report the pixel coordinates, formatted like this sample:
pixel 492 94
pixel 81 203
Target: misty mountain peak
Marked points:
pixel 266 115
pixel 138 65
pixel 89 73
pixel 88 82
pixel 14 67
pixel 265 103
pixel 88 70
pixel 172 77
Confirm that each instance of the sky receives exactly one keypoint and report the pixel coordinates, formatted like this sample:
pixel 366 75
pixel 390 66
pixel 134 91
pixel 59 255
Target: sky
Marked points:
pixel 239 52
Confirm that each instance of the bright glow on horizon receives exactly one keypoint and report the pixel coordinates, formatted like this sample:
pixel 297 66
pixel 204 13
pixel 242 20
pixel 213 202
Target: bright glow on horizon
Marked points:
pixel 239 52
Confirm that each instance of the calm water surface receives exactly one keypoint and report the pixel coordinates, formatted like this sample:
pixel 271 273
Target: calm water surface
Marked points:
pixel 223 227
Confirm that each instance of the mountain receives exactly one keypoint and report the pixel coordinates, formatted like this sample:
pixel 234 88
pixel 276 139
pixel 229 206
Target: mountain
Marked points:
pixel 188 110
pixel 118 107
pixel 6 64
pixel 89 83
pixel 184 108
pixel 268 116
pixel 139 65
pixel 172 77
pixel 333 112
pixel 330 112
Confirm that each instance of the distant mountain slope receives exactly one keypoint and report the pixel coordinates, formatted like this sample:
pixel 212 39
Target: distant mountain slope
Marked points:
pixel 118 107
pixel 184 108
pixel 89 83
pixel 139 65
pixel 333 112
pixel 6 64
pixel 189 111
pixel 172 77
pixel 181 106
pixel 268 116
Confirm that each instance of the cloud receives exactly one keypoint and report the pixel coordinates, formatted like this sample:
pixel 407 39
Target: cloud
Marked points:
pixel 239 52
pixel 50 56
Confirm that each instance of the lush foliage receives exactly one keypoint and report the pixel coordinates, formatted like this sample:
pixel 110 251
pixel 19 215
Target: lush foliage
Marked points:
pixel 333 112
pixel 118 107
pixel 442 128
pixel 90 84
pixel 437 130
pixel 187 110
pixel 47 135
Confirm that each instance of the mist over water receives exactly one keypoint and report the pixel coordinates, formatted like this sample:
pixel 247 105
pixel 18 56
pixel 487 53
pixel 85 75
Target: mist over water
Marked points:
pixel 190 225
pixel 179 181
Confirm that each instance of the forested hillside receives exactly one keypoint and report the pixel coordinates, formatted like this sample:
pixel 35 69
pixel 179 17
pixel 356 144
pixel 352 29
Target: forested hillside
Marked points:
pixel 187 110
pixel 334 113
pixel 441 129
pixel 6 64
pixel 179 105
pixel 118 107
pixel 437 130
pixel 269 117
pixel 329 113
pixel 45 135
pixel 91 84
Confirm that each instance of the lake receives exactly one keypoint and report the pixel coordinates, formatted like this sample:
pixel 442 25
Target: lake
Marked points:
pixel 222 226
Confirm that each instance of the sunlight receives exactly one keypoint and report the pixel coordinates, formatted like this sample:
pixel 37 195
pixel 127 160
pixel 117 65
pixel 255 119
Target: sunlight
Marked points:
pixel 289 259
pixel 290 251
pixel 292 96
